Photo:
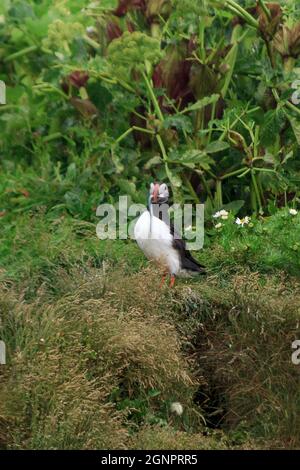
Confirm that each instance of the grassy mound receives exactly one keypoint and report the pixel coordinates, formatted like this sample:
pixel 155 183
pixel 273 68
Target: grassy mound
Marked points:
pixel 97 352
pixel 78 368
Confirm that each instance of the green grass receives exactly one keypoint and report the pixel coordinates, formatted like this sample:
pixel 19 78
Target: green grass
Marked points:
pixel 97 352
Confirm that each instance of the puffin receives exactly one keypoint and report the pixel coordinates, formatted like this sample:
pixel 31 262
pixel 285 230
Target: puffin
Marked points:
pixel 158 240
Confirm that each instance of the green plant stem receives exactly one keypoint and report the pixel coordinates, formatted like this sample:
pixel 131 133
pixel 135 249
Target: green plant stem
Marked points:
pixel 210 173
pixel 253 199
pixel 289 64
pixel 219 195
pixel 292 107
pixel 231 58
pixel 17 55
pixel 266 170
pixel 47 87
pixel 287 104
pixel 244 173
pixel 260 188
pixel 265 9
pixel 206 186
pixel 153 98
pixel 162 148
pixel 213 114
pixel 271 54
pixel 233 173
pixel 202 39
pixel 49 138
pixel 94 44
pixel 242 13
pixel 155 30
pixel 256 190
pixel 165 158
pixel 131 129
pixel 191 189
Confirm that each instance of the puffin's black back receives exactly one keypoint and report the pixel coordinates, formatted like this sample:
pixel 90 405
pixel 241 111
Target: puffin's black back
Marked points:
pixel 186 259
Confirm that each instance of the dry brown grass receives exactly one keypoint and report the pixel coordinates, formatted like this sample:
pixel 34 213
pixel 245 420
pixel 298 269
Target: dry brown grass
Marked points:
pixel 82 367
pixel 159 438
pixel 243 346
pixel 68 356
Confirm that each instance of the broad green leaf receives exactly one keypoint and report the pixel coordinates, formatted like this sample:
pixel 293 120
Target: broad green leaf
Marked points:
pixel 296 128
pixel 197 157
pixel 234 206
pixel 152 162
pixel 273 123
pixel 287 157
pixel 200 104
pixel 175 179
pixel 179 122
pixel 217 146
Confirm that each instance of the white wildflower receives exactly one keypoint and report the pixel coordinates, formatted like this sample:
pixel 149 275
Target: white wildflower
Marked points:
pixel 91 29
pixel 293 211
pixel 59 55
pixel 177 408
pixel 242 222
pixel 219 225
pixel 222 213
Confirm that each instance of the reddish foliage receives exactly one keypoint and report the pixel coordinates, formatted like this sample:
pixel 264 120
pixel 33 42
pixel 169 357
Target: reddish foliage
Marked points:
pixel 77 79
pixel 113 31
pixel 173 73
pixel 126 5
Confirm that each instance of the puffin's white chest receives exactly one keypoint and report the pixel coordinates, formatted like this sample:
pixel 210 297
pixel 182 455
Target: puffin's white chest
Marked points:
pixel 157 245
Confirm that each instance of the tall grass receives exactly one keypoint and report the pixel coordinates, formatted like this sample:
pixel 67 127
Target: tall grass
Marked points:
pixel 97 352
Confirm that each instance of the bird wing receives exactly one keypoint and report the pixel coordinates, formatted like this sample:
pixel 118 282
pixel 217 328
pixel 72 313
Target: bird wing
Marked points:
pixel 187 260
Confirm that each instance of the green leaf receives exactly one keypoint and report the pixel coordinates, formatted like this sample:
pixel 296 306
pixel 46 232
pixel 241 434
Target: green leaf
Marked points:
pixel 127 187
pixel 234 206
pixel 108 4
pixel 152 162
pixel 200 104
pixel 197 157
pixel 153 393
pixel 273 124
pixel 296 128
pixel 117 162
pixel 179 122
pixel 99 95
pixel 217 146
pixel 287 157
pixel 174 179
pixel 19 11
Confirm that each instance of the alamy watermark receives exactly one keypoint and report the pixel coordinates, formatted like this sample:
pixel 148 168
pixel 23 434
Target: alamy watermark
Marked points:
pixel 2 353
pixel 118 221
pixel 2 92
pixel 296 94
pixel 296 353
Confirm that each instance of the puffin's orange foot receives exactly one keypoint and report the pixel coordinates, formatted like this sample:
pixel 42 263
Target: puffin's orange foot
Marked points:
pixel 172 281
pixel 163 280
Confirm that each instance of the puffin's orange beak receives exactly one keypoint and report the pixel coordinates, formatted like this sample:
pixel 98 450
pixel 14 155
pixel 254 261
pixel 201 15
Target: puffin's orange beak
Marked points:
pixel 155 193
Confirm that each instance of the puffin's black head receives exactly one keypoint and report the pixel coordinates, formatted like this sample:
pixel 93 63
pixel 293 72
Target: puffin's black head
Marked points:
pixel 159 193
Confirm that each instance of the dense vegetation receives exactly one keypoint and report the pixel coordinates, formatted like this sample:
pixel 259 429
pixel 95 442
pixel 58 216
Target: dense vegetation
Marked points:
pixel 101 99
